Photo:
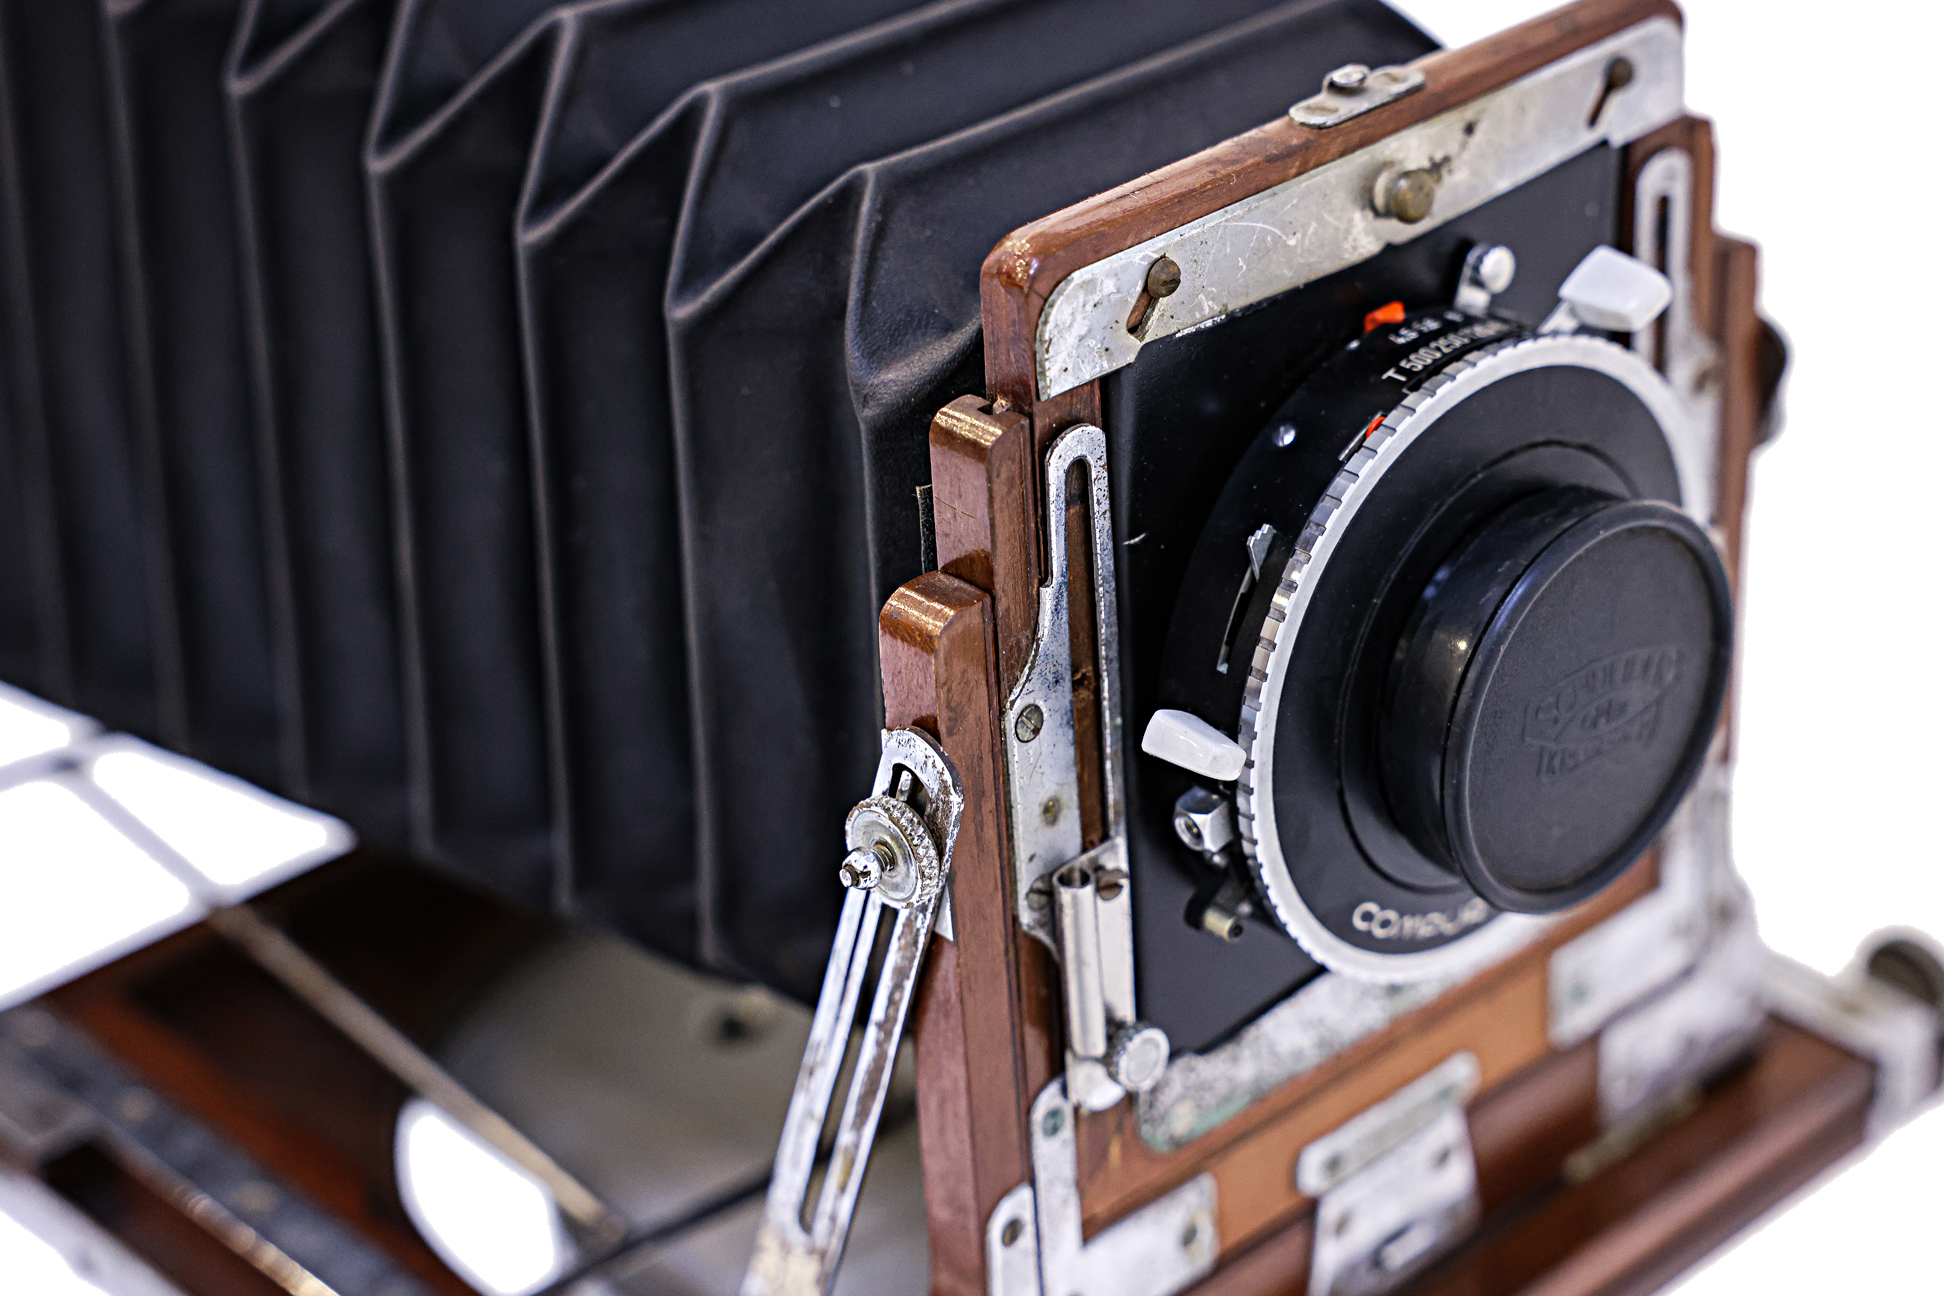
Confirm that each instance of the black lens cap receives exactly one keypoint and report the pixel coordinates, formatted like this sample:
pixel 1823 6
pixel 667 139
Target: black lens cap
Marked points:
pixel 1554 694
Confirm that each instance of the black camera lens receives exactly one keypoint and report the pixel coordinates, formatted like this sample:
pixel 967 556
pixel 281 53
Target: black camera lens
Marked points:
pixel 1468 632
pixel 1554 693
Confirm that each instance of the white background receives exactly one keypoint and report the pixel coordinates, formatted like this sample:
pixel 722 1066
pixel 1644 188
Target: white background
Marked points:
pixel 1826 157
pixel 1823 120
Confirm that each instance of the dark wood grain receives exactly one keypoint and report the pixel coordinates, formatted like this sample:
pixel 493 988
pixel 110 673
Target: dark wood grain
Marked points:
pixel 1738 330
pixel 985 509
pixel 1756 1138
pixel 985 1016
pixel 1635 1226
pixel 1523 1130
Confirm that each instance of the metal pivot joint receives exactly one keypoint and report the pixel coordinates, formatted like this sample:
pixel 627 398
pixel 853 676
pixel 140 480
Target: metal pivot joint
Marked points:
pixel 1079 901
pixel 900 843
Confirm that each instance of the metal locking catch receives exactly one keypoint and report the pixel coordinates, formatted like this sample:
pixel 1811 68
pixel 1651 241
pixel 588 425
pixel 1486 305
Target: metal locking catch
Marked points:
pixel 1396 1186
pixel 1079 901
pixel 900 843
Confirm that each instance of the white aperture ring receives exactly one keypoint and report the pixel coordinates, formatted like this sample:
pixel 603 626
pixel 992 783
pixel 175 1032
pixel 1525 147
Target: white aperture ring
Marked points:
pixel 1269 666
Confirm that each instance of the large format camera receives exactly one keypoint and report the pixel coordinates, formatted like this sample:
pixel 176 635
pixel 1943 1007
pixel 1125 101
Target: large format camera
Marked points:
pixel 1276 610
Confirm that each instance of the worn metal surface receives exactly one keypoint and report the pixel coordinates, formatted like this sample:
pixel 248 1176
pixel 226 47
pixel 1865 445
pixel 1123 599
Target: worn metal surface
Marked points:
pixel 1199 1091
pixel 1353 90
pixel 1689 1033
pixel 1687 356
pixel 1890 1028
pixel 1648 945
pixel 797 1253
pixel 1012 1245
pixel 1402 1210
pixel 1041 757
pixel 1347 1150
pixel 1043 787
pixel 1324 221
pixel 1154 1251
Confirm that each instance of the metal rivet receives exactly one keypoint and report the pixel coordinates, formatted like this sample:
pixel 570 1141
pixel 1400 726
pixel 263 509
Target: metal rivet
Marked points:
pixel 1285 435
pixel 1407 196
pixel 1349 78
pixel 1054 1122
pixel 1163 277
pixel 1027 727
pixel 1010 1234
pixel 1050 811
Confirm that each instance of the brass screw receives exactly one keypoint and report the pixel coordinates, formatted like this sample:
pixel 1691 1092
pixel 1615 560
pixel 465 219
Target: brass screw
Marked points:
pixel 1163 277
pixel 1408 195
pixel 1050 811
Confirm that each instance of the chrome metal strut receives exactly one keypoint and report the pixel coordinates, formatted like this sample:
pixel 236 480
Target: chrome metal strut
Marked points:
pixel 899 858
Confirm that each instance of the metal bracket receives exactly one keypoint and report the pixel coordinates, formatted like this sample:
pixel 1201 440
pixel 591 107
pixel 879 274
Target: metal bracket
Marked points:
pixel 1353 90
pixel 1042 769
pixel 1875 1021
pixel 1688 1034
pixel 796 1253
pixel 1080 904
pixel 1396 1186
pixel 1677 345
pixel 1325 220
pixel 1157 1250
pixel 1657 939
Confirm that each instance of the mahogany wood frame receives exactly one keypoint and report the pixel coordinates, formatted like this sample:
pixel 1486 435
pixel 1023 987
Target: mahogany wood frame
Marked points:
pixel 955 641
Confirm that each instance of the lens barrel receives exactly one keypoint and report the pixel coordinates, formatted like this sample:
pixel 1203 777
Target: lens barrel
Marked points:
pixel 1554 694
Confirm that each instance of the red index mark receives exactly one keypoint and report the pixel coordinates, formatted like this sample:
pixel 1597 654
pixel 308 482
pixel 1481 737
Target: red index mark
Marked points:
pixel 1388 313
